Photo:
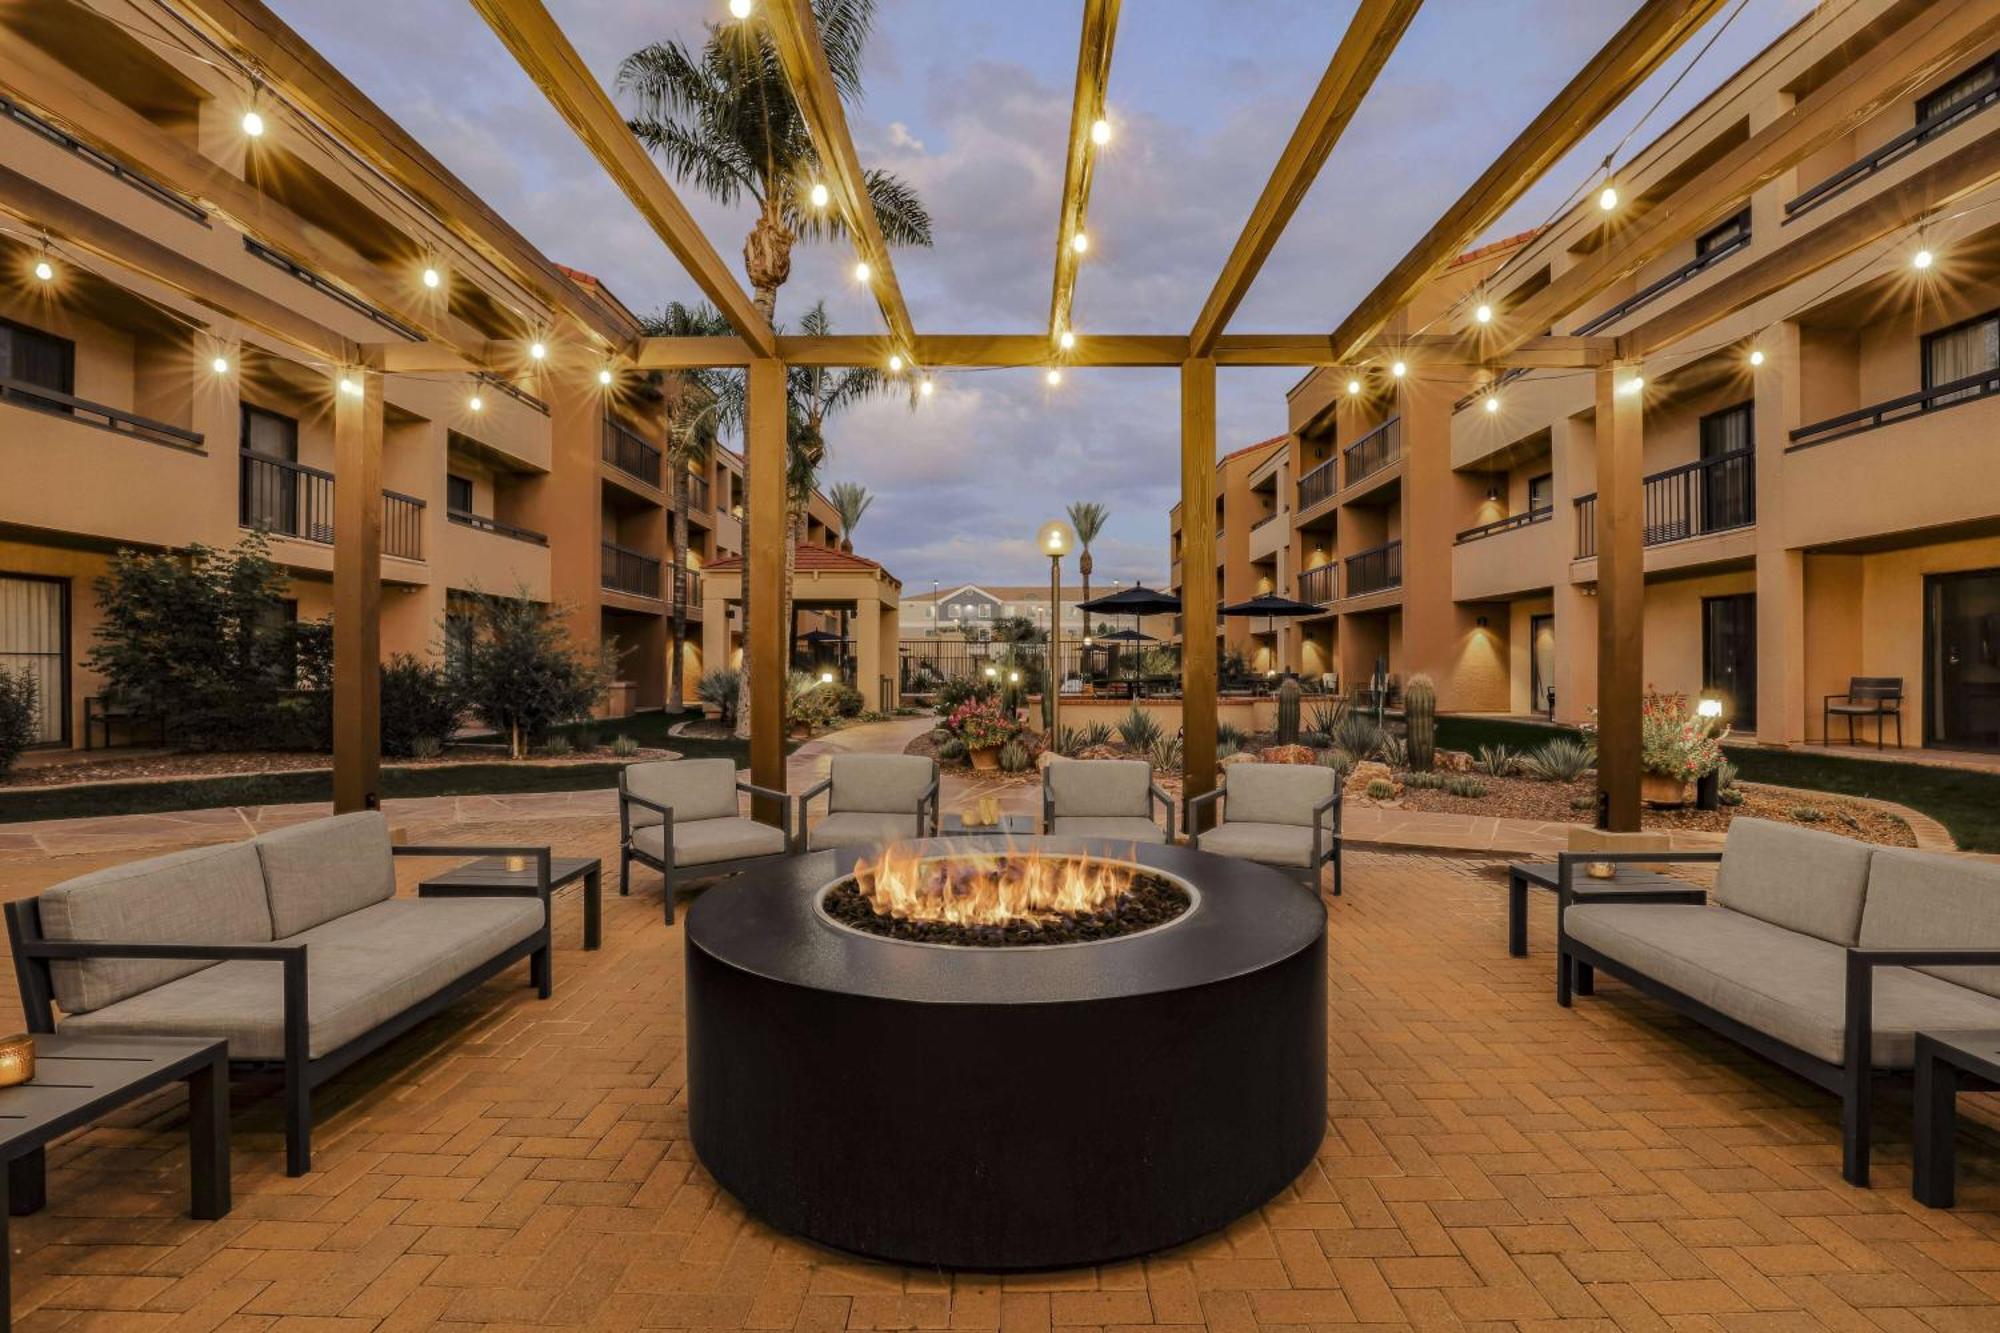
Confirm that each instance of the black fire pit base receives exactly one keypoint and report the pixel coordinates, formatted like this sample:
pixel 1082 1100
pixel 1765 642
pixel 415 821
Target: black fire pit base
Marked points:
pixel 1007 1108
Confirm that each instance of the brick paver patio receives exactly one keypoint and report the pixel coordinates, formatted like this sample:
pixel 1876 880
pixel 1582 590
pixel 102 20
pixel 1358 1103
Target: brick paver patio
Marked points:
pixel 1491 1161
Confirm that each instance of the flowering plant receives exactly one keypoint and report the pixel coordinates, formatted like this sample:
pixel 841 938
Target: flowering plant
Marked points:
pixel 1677 742
pixel 982 724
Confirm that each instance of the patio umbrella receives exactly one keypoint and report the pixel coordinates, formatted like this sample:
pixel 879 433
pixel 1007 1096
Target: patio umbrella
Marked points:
pixel 1137 602
pixel 1129 636
pixel 1271 605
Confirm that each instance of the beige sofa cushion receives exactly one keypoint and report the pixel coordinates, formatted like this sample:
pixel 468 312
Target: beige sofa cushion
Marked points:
pixel 317 871
pixel 1926 900
pixel 1273 844
pixel 861 828
pixel 1129 827
pixel 205 895
pixel 705 841
pixel 1099 788
pixel 691 788
pixel 1780 982
pixel 362 969
pixel 880 784
pixel 1800 879
pixel 1276 794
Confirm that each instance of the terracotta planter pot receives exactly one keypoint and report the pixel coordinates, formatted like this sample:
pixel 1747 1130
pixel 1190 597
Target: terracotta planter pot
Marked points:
pixel 985 758
pixel 1655 789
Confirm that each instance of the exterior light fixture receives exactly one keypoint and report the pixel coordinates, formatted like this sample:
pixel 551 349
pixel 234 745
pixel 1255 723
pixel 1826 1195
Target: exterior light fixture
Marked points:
pixel 1633 385
pixel 1100 131
pixel 349 387
pixel 1054 377
pixel 1353 387
pixel 1399 370
pixel 432 278
pixel 826 678
pixel 739 8
pixel 1607 198
pixel 1492 402
pixel 220 365
pixel 604 375
pixel 1013 678
pixel 862 272
pixel 895 363
pixel 1756 356
pixel 1079 242
pixel 1710 707
pixel 538 351
pixel 1484 314
pixel 927 388
pixel 1055 538
pixel 819 195
pixel 44 270
pixel 253 123
pixel 992 673
pixel 1066 341
pixel 476 403
pixel 1922 259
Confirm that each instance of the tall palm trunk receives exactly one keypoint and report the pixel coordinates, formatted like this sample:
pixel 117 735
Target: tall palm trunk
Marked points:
pixel 767 258
pixel 1083 567
pixel 676 677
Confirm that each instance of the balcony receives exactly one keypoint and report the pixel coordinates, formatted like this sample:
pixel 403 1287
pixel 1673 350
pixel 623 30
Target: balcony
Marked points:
pixel 691 586
pixel 36 398
pixel 1951 394
pixel 1652 291
pixel 1377 569
pixel 630 571
pixel 1692 500
pixel 1507 524
pixel 1509 557
pixel 1318 485
pixel 624 450
pixel 465 518
pixel 698 494
pixel 1903 144
pixel 292 500
pixel 1269 535
pixel 1320 585
pixel 1374 451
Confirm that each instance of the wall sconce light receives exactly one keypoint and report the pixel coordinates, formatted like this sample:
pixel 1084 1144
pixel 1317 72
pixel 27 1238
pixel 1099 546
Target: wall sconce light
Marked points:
pixel 1481 622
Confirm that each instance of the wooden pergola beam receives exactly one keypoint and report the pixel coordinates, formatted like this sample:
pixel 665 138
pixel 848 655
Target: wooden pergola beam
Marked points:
pixel 286 62
pixel 1372 35
pixel 1093 74
pixel 795 33
pixel 1646 40
pixel 541 47
pixel 1929 42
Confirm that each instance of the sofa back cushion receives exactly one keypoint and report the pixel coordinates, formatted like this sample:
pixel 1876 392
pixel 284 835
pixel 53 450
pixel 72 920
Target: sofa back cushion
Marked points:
pixel 317 871
pixel 1925 900
pixel 691 788
pixel 1276 793
pixel 1099 788
pixel 205 895
pixel 1800 879
pixel 879 784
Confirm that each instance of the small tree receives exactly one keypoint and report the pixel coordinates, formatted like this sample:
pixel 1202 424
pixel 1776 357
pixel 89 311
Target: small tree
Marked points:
pixel 512 663
pixel 418 705
pixel 18 715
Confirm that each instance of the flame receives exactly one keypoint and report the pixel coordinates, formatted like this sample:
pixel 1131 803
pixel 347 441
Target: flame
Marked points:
pixel 989 888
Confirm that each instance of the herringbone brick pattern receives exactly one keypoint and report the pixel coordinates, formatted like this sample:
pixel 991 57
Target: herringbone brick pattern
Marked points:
pixel 1491 1161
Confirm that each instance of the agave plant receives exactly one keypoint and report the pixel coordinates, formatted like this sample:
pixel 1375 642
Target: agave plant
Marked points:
pixel 1560 760
pixel 1139 730
pixel 1096 733
pixel 1496 761
pixel 1165 754
pixel 1356 734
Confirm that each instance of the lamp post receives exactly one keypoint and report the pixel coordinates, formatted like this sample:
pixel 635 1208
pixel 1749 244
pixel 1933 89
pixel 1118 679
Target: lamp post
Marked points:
pixel 1708 787
pixel 1054 540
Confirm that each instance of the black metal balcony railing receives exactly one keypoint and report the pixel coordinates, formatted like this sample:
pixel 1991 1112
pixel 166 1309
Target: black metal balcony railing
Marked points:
pixel 1374 451
pixel 1262 521
pixel 467 519
pixel 1376 569
pixel 1320 585
pixel 293 500
pixel 697 495
pixel 34 396
pixel 1923 131
pixel 1969 389
pixel 1653 291
pixel 627 570
pixel 624 450
pixel 1319 484
pixel 1507 524
pixel 1692 500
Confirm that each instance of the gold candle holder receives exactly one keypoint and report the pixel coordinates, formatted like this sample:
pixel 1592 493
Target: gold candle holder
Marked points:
pixel 517 863
pixel 1601 870
pixel 17 1060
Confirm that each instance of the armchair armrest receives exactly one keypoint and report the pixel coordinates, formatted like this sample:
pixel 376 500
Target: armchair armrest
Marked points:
pixel 783 799
pixel 541 854
pixel 933 794
pixel 1859 1050
pixel 626 798
pixel 1844 698
pixel 1189 807
pixel 1166 803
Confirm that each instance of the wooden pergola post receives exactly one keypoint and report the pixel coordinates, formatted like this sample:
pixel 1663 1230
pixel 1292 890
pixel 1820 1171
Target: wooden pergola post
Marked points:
pixel 764 647
pixel 1198 586
pixel 357 591
pixel 1621 593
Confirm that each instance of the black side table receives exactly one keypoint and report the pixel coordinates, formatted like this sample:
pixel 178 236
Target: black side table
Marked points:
pixel 1523 875
pixel 952 825
pixel 1947 1063
pixel 501 874
pixel 78 1079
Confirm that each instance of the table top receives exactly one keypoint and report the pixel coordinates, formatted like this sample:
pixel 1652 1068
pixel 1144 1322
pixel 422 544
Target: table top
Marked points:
pixel 1628 877
pixel 496 870
pixel 79 1078
pixel 1976 1050
pixel 953 823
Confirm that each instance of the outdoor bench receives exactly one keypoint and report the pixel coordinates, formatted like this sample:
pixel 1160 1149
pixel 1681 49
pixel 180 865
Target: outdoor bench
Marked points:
pixel 292 947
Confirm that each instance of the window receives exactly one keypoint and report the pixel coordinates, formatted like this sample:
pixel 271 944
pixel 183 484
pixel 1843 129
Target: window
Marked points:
pixel 1963 351
pixel 34 641
pixel 271 498
pixel 43 360
pixel 457 493
pixel 1723 236
pixel 270 434
pixel 1541 492
pixel 1729 431
pixel 1967 93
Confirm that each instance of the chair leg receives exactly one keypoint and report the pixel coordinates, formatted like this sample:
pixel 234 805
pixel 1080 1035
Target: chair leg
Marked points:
pixel 624 872
pixel 1336 867
pixel 1854 1114
pixel 1563 992
pixel 298 1121
pixel 668 876
pixel 541 968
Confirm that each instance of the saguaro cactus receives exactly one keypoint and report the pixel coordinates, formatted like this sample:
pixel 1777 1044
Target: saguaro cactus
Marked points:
pixel 1420 722
pixel 1288 711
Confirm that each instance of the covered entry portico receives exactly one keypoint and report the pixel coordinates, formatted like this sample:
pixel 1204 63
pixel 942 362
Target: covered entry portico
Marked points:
pixel 849 602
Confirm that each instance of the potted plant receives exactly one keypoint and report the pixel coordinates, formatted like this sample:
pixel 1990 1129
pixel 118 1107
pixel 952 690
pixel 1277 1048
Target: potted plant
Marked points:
pixel 983 726
pixel 1677 746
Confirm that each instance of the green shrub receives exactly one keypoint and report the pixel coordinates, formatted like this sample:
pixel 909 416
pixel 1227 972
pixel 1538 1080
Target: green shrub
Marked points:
pixel 1496 761
pixel 1223 749
pixel 1356 734
pixel 1807 814
pixel 847 700
pixel 1067 742
pixel 418 706
pixel 721 687
pixel 624 747
pixel 558 747
pixel 1325 718
pixel 585 738
pixel 1341 762
pixel 960 689
pixel 1138 729
pixel 1228 733
pixel 19 716
pixel 1726 775
pixel 1583 802
pixel 1423 781
pixel 1014 757
pixel 951 749
pixel 1393 752
pixel 1096 733
pixel 1381 789
pixel 1165 754
pixel 1315 740
pixel 1730 796
pixel 510 659
pixel 1561 760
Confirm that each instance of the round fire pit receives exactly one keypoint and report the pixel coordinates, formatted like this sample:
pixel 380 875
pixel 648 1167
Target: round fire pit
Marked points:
pixel 1039 1106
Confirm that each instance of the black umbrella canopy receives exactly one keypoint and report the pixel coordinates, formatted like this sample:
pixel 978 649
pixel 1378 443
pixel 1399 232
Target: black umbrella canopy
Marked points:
pixel 1134 601
pixel 821 636
pixel 1124 636
pixel 1271 604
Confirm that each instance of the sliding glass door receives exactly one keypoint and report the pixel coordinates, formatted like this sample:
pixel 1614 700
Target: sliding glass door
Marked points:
pixel 34 638
pixel 1962 660
pixel 1729 656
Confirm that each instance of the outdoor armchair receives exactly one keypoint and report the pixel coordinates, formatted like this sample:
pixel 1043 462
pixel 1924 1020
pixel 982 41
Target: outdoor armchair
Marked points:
pixel 1879 697
pixel 1285 815
pixel 679 815
pixel 1104 798
pixel 871 799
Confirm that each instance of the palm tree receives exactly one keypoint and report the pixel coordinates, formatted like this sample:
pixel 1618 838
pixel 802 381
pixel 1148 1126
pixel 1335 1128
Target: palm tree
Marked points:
pixel 724 119
pixel 697 404
pixel 1087 517
pixel 850 500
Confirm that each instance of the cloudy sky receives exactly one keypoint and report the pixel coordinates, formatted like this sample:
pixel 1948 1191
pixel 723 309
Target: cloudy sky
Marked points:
pixel 969 101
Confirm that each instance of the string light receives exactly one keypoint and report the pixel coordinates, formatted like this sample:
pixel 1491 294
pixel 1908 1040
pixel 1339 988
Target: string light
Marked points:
pixel 1921 260
pixel 1633 385
pixel 1756 356
pixel 476 403
pixel 1492 402
pixel 220 365
pixel 1399 370
pixel 1054 377
pixel 253 123
pixel 432 278
pixel 819 195
pixel 349 387
pixel 604 375
pixel 1100 131
pixel 1353 388
pixel 537 350
pixel 1484 314
pixel 1079 243
pixel 1067 341
pixel 926 388
pixel 862 272
pixel 45 270
pixel 740 8
pixel 1607 198
pixel 895 363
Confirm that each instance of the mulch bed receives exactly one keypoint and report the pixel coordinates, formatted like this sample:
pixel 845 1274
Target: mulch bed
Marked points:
pixel 165 767
pixel 1151 901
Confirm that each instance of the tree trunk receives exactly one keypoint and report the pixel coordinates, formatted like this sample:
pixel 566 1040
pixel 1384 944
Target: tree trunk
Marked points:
pixel 794 521
pixel 676 672
pixel 1083 567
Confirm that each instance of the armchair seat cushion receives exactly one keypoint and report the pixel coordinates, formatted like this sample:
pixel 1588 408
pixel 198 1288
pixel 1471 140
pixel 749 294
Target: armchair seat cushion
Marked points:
pixel 700 842
pixel 1787 985
pixel 861 828
pixel 362 970
pixel 1131 828
pixel 1272 844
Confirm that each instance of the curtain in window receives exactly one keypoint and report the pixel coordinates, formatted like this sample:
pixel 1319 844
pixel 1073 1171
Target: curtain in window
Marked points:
pixel 34 640
pixel 1956 354
pixel 1966 89
pixel 37 358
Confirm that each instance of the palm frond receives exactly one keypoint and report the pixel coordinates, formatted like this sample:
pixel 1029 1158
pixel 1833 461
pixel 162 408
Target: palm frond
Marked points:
pixel 1088 518
pixel 843 31
pixel 850 500
pixel 898 211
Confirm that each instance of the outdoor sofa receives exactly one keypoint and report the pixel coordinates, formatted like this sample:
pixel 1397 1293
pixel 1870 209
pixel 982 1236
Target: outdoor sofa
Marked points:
pixel 680 815
pixel 1283 815
pixel 1821 953
pixel 292 946
pixel 870 799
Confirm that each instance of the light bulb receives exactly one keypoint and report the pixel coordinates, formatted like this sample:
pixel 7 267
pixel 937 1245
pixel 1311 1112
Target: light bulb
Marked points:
pixel 1633 385
pixel 1054 377
pixel 1484 314
pixel 253 124
pixel 45 270
pixel 1067 341
pixel 826 678
pixel 604 375
pixel 349 387
pixel 1757 356
pixel 927 388
pixel 220 365
pixel 895 363
pixel 432 278
pixel 537 351
pixel 1492 402
pixel 1607 198
pixel 819 195
pixel 1399 370
pixel 1353 387
pixel 475 402
pixel 739 9
pixel 1079 243
pixel 1100 131
pixel 862 272
pixel 1921 259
